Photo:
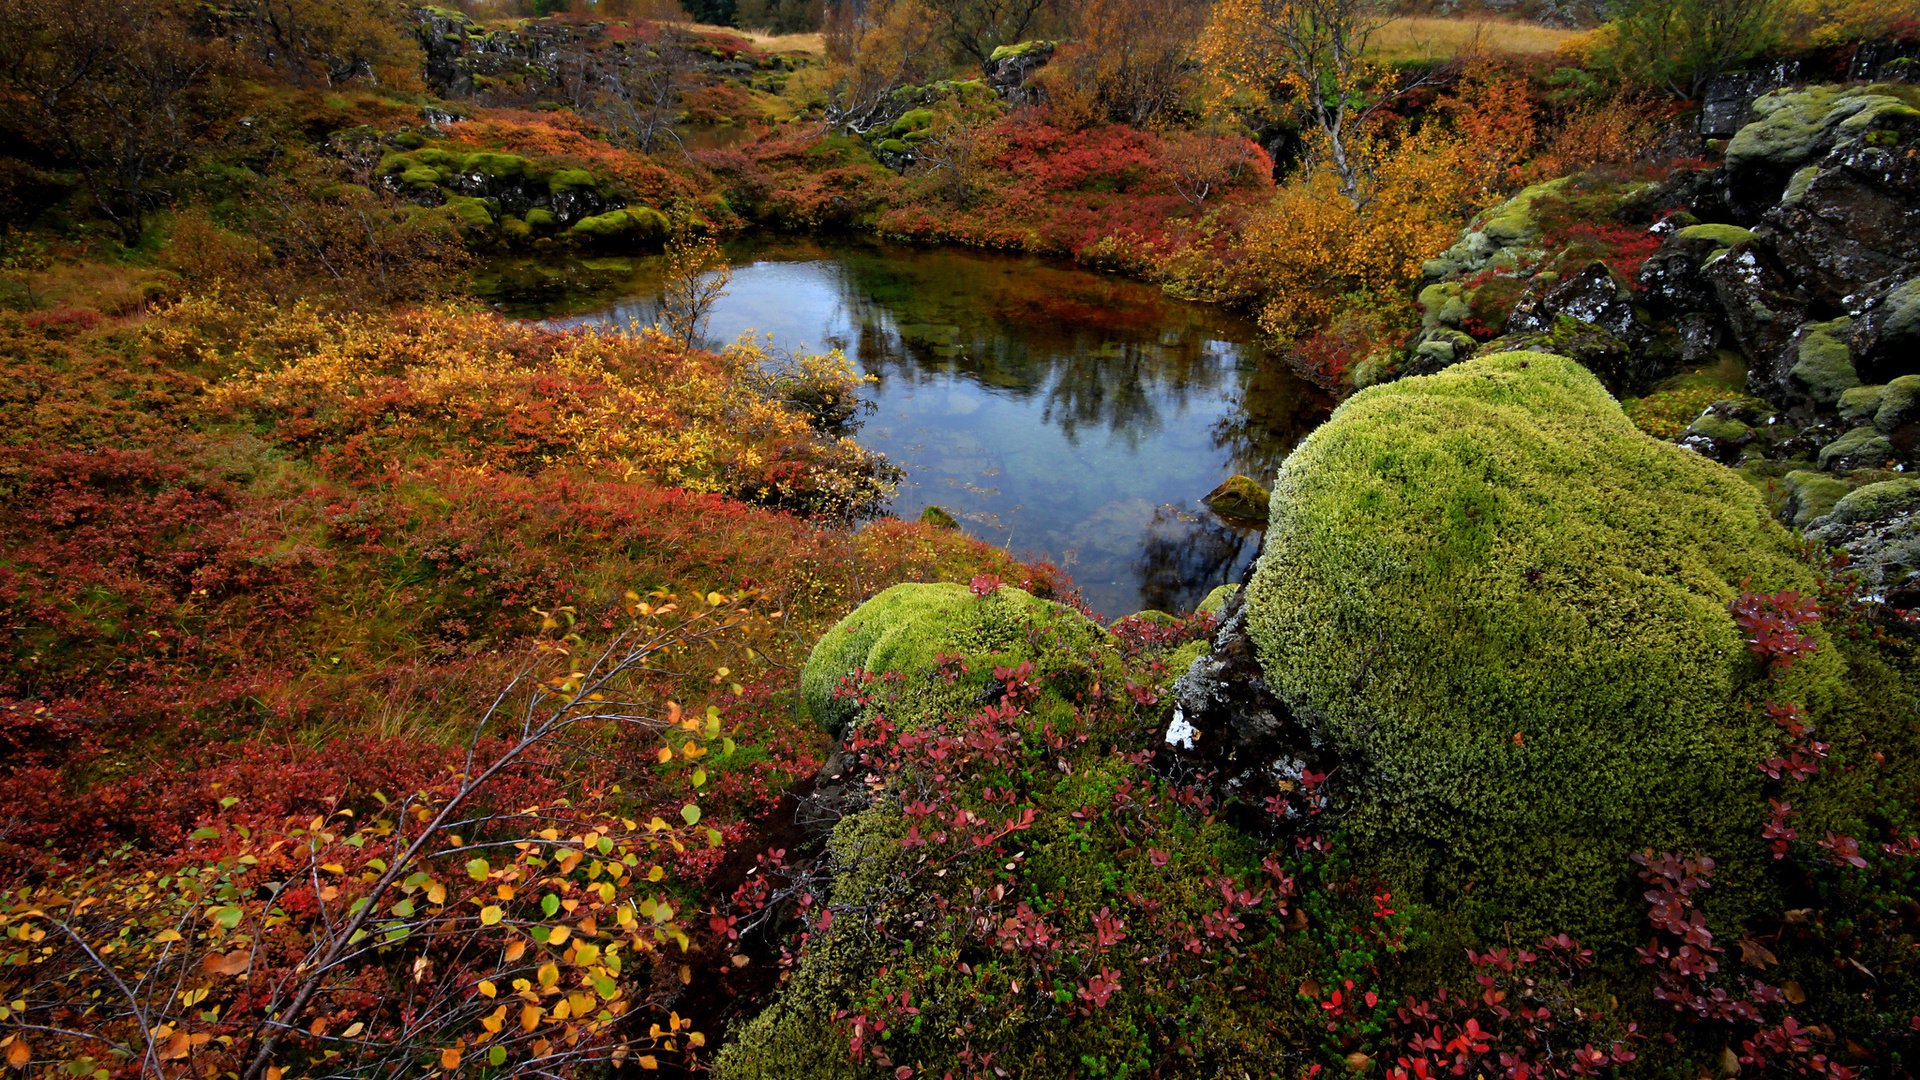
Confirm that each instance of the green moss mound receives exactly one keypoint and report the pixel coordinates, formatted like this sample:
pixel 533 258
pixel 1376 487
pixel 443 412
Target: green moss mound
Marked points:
pixel 904 629
pixel 640 223
pixel 1508 607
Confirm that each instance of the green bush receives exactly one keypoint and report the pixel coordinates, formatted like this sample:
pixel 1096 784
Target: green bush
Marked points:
pixel 1507 607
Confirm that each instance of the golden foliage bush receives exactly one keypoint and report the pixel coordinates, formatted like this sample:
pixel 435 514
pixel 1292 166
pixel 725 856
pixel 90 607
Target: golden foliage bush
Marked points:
pixel 439 382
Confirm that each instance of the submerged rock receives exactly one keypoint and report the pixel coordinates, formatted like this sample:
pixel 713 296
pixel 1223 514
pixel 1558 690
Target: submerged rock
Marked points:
pixel 1240 498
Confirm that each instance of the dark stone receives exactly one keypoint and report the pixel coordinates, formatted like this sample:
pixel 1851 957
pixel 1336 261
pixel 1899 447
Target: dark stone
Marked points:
pixel 1726 100
pixel 1227 723
pixel 1855 230
pixel 1672 281
pixel 1011 75
pixel 1878 526
pixel 1762 311
pixel 1593 295
pixel 1625 372
pixel 1886 341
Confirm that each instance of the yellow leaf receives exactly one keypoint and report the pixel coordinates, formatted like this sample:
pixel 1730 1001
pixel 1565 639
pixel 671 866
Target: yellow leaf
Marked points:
pixel 649 1062
pixel 491 914
pixel 529 1017
pixel 666 754
pixel 19 1054
pixel 559 935
pixel 450 1058
pixel 487 989
pixel 515 950
pixel 549 974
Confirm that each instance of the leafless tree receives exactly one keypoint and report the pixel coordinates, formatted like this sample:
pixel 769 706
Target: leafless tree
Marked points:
pixel 122 93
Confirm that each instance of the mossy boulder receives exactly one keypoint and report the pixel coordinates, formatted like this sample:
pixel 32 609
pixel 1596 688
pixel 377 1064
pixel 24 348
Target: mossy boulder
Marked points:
pixel 1024 48
pixel 1793 127
pixel 1877 502
pixel 1721 236
pixel 542 219
pixel 902 631
pixel 1899 404
pixel 1859 404
pixel 566 180
pixel 939 518
pixel 1861 448
pixel 1239 498
pixel 471 212
pixel 497 166
pixel 1810 495
pixel 1512 224
pixel 635 223
pixel 1507 608
pixel 1823 367
pixel 1217 599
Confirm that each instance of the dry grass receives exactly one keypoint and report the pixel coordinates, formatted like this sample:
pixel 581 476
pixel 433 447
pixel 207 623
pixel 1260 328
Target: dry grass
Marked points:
pixel 1430 37
pixel 785 43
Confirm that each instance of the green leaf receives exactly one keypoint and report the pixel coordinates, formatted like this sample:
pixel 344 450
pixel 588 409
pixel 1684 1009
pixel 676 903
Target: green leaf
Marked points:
pixel 549 904
pixel 229 802
pixel 690 813
pixel 477 869
pixel 227 917
pixel 497 1055
pixel 208 833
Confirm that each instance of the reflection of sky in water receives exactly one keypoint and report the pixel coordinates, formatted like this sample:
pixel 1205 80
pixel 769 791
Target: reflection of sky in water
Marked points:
pixel 1059 413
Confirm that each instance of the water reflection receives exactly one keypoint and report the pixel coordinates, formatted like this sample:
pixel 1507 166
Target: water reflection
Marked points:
pixel 1061 413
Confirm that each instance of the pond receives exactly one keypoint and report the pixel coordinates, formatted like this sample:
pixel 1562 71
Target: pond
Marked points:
pixel 1056 412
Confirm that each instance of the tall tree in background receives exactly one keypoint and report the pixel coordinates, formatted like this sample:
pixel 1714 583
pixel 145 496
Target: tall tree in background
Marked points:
pixel 338 41
pixel 1315 53
pixel 1129 59
pixel 974 28
pixel 874 49
pixel 635 91
pixel 1677 45
pixel 124 94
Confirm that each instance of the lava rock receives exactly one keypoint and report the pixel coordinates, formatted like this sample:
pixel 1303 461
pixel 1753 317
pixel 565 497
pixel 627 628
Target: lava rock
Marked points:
pixel 1009 71
pixel 1624 372
pixel 1762 311
pixel 1719 433
pixel 1592 295
pixel 1228 721
pixel 1876 526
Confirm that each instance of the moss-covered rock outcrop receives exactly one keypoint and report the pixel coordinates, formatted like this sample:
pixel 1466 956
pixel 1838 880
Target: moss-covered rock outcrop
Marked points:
pixel 905 630
pixel 1507 607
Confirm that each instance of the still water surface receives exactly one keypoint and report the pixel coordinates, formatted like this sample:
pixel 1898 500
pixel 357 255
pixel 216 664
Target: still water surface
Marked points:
pixel 1056 412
